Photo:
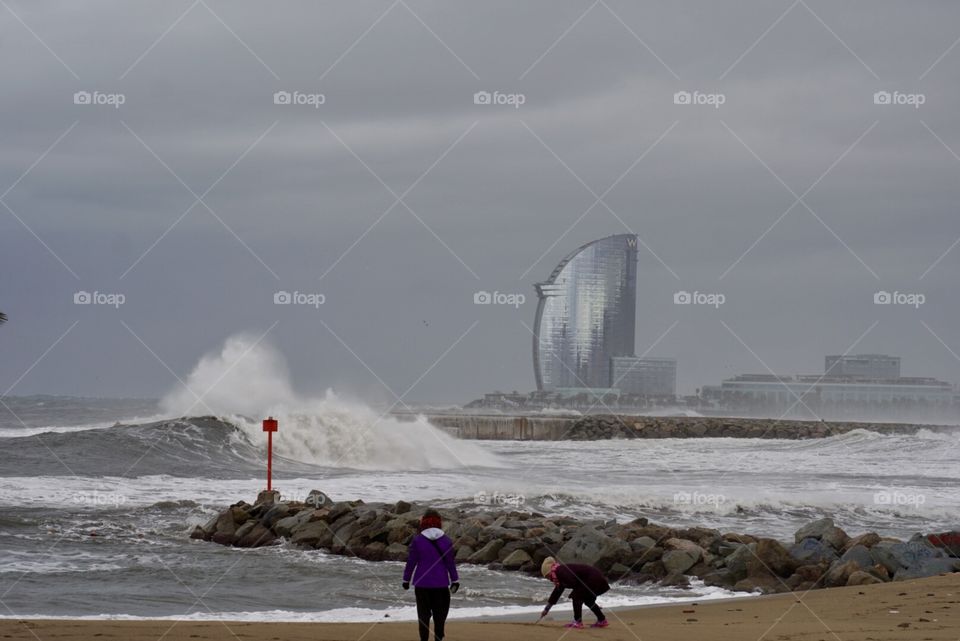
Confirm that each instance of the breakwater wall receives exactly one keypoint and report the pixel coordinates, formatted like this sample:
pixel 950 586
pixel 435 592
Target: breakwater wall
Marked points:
pixel 598 427
pixel 820 554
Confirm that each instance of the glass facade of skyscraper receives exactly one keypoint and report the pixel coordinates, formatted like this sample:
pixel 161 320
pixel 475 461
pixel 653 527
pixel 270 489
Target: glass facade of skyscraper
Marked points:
pixel 586 314
pixel 644 376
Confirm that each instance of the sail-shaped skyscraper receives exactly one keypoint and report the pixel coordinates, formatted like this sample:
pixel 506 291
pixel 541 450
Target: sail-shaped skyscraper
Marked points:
pixel 586 314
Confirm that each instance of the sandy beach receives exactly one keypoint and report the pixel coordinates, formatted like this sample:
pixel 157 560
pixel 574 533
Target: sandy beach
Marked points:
pixel 927 610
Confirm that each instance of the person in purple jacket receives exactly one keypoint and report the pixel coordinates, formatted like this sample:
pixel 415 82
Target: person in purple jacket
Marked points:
pixel 586 583
pixel 431 567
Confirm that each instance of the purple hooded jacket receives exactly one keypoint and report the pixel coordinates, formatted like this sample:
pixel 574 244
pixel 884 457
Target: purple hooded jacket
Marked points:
pixel 424 563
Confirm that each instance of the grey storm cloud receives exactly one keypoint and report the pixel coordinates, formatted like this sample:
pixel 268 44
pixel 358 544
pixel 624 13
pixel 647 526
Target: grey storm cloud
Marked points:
pixel 398 197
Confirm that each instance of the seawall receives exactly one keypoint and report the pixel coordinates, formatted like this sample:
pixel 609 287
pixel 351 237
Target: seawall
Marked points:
pixel 596 427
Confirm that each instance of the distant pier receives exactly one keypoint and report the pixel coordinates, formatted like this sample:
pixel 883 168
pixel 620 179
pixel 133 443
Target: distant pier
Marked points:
pixel 502 427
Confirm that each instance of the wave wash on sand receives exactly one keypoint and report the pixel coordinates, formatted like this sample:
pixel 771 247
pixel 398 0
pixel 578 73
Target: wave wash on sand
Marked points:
pixel 246 381
pixel 924 609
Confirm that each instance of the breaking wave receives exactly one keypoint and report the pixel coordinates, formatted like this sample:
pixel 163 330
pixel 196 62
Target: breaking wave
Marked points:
pixel 246 381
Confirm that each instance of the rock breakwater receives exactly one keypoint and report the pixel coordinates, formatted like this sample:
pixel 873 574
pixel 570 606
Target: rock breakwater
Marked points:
pixel 596 427
pixel 821 554
pixel 607 426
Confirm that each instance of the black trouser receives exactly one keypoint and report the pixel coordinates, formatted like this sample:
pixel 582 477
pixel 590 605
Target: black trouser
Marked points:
pixel 579 598
pixel 433 602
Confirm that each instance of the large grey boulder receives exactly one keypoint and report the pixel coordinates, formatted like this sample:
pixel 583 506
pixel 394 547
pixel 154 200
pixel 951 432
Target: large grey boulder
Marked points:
pixel 764 583
pixel 928 567
pixel 344 532
pixel 642 543
pixel 639 557
pixel 811 550
pixel 267 497
pixel 312 534
pixel 823 530
pixel 400 530
pixel 488 553
pixel 814 530
pixel 859 555
pixel 593 547
pixel 867 540
pixel 274 514
pixel 862 578
pixel 882 556
pixel 719 578
pixel 685 545
pixel 516 559
pixel 496 532
pixel 914 553
pixel 678 561
pixel 552 536
pixel 339 509
pixel 770 557
pixel 286 526
pixel 258 536
pixel 736 562
pixel 840 572
pixel 226 525
pixel 318 499
pixel 396 552
pixel 210 526
pixel 245 529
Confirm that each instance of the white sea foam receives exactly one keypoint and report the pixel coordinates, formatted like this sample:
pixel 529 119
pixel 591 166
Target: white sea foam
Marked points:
pixel 14 432
pixel 698 593
pixel 247 381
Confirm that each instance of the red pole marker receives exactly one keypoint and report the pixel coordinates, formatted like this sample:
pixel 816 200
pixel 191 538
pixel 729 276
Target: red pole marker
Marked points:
pixel 269 426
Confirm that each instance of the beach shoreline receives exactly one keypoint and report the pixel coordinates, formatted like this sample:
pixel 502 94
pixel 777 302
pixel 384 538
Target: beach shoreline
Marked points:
pixel 922 609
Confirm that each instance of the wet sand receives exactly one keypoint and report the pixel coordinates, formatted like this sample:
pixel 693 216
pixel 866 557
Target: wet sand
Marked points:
pixel 925 610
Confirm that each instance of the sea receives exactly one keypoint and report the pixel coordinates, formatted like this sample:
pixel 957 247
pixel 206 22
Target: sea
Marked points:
pixel 98 497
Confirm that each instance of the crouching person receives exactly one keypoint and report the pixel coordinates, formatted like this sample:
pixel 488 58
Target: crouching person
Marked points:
pixel 431 567
pixel 586 583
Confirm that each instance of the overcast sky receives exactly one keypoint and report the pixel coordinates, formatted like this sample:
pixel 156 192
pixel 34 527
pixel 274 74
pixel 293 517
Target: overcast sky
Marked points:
pixel 198 198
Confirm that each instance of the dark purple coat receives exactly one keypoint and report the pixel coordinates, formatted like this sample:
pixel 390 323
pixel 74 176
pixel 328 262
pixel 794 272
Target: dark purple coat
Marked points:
pixel 586 581
pixel 426 566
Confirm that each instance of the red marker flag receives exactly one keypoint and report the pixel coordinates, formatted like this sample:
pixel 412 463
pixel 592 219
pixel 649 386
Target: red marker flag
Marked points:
pixel 269 426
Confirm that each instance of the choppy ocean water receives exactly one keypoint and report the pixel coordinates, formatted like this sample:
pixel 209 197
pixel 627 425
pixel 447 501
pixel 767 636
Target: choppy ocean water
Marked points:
pixel 96 515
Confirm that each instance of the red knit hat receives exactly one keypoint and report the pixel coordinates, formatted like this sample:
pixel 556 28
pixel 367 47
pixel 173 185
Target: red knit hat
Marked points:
pixel 430 519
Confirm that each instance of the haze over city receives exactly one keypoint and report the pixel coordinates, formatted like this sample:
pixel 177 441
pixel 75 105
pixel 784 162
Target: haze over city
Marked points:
pixel 400 194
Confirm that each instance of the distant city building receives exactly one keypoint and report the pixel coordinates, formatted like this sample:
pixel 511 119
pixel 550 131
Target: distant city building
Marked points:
pixel 644 376
pixel 503 400
pixel 864 366
pixel 586 314
pixel 783 391
pixel 593 395
pixel 866 386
